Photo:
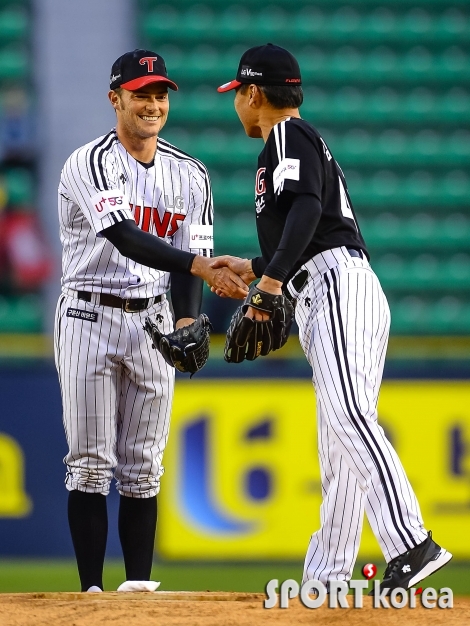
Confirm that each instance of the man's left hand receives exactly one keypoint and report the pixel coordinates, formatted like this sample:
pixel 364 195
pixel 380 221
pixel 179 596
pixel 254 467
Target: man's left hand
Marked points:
pixel 269 285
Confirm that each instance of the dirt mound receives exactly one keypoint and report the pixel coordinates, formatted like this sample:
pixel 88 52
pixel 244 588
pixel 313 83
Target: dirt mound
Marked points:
pixel 204 609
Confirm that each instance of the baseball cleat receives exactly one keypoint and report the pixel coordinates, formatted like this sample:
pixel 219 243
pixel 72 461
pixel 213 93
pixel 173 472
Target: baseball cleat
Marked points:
pixel 411 567
pixel 94 589
pixel 138 585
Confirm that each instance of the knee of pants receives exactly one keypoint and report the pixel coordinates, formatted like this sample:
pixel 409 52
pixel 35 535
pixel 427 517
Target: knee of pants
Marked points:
pixel 96 480
pixel 132 482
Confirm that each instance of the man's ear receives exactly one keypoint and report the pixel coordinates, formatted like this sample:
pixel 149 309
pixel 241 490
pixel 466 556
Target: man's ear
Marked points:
pixel 255 96
pixel 114 99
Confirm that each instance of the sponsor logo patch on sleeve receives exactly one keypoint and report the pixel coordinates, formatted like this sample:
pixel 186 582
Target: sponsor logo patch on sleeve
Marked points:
pixel 108 201
pixel 201 237
pixel 287 168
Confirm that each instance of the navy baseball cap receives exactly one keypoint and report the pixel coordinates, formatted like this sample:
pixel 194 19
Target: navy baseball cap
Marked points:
pixel 266 65
pixel 138 68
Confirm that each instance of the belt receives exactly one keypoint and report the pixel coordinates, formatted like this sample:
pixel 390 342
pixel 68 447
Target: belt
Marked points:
pixel 129 305
pixel 300 279
pixel 298 283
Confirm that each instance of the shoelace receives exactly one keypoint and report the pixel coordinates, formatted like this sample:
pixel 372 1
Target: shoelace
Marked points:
pixel 393 565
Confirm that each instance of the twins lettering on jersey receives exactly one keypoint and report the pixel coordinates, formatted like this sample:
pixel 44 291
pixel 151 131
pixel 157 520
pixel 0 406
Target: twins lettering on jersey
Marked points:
pixel 146 216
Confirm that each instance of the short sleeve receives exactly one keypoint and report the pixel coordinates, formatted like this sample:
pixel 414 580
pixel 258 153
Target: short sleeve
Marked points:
pixel 296 161
pixel 90 180
pixel 196 233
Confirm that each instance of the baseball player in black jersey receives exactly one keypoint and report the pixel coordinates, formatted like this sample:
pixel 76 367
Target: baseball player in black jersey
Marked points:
pixel 313 251
pixel 135 222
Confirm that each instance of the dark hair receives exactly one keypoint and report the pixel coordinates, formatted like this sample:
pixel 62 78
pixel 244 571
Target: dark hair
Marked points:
pixel 281 96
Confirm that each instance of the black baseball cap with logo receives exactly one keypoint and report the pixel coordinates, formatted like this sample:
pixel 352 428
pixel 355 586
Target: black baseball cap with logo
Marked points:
pixel 138 68
pixel 266 65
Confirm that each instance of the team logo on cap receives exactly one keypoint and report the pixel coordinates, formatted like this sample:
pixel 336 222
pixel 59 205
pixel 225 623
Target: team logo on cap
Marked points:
pixel 247 71
pixel 149 61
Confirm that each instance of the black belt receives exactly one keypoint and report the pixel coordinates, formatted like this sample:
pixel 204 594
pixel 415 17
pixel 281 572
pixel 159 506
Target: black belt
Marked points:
pixel 129 305
pixel 300 279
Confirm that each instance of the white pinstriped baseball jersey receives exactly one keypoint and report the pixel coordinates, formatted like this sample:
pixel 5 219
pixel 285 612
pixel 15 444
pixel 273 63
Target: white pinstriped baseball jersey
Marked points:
pixel 102 184
pixel 116 389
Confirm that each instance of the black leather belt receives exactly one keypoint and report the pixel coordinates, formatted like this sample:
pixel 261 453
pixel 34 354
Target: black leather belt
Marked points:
pixel 129 305
pixel 300 279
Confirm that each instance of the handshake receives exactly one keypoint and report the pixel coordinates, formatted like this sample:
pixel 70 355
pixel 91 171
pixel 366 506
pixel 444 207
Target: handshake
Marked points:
pixel 260 325
pixel 227 276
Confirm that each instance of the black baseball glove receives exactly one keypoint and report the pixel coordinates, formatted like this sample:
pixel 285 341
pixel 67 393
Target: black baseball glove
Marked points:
pixel 187 348
pixel 249 339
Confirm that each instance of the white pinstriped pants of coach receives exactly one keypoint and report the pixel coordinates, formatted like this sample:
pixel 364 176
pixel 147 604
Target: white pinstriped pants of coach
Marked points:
pixel 117 393
pixel 344 321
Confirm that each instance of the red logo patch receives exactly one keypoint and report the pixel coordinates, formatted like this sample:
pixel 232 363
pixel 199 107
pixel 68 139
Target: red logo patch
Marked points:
pixel 150 61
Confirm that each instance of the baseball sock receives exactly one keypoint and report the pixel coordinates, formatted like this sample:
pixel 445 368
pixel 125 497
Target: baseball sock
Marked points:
pixel 88 521
pixel 137 527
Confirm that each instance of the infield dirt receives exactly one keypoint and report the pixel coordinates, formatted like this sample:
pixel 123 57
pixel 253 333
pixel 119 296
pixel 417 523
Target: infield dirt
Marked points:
pixel 203 609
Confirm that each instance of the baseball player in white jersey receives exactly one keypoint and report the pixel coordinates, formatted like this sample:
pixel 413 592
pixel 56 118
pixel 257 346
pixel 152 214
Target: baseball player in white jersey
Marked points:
pixel 135 221
pixel 313 250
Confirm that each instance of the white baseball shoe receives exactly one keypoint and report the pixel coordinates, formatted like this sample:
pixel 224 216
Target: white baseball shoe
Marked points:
pixel 139 585
pixel 94 589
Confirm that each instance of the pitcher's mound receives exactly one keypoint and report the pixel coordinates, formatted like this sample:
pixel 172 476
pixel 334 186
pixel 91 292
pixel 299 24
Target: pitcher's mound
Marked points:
pixel 194 608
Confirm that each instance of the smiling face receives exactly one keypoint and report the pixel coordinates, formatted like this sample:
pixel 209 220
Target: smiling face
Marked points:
pixel 141 114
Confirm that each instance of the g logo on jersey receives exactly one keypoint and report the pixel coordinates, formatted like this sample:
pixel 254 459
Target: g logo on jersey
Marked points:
pixel 260 189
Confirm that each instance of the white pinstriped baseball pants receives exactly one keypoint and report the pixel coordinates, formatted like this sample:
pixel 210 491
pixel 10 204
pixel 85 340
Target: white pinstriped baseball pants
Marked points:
pixel 344 320
pixel 117 393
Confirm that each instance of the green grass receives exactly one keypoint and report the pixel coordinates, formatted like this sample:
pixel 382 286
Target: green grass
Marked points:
pixel 46 575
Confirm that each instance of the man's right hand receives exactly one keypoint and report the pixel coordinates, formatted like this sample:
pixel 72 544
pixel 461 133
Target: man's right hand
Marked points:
pixel 222 279
pixel 242 267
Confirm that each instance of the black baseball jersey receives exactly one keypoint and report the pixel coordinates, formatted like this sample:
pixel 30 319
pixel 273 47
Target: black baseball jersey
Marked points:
pixel 296 160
